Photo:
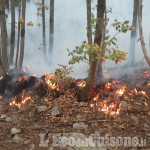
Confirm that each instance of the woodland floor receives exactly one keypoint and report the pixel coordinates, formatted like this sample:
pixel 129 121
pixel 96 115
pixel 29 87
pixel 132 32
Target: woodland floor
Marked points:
pixel 134 120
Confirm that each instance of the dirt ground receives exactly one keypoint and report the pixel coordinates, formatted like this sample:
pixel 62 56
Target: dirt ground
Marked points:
pixel 38 117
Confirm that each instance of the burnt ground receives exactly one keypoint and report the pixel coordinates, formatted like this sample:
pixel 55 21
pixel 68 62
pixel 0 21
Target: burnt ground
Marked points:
pixel 32 119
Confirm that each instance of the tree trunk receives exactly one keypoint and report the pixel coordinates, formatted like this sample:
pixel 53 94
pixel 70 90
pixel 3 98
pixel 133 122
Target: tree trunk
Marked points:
pixel 89 27
pixel 22 34
pixel 99 72
pixel 134 33
pixel 18 38
pixel 6 4
pixel 43 22
pixel 5 63
pixel 141 33
pixel 101 6
pixel 51 27
pixel 12 39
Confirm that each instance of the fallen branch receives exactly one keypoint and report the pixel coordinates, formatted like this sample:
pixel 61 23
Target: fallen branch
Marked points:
pixel 41 114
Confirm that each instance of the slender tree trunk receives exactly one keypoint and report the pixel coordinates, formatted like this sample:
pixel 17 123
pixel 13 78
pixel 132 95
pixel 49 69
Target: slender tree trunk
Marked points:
pixel 43 22
pixel 0 42
pixel 1 67
pixel 18 38
pixel 5 63
pixel 12 39
pixel 51 28
pixel 101 6
pixel 99 72
pixel 2 70
pixel 89 27
pixel 22 34
pixel 134 33
pixel 6 4
pixel 141 34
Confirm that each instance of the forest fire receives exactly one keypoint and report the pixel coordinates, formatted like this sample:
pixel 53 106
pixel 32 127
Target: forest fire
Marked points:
pixel 19 101
pixel 107 99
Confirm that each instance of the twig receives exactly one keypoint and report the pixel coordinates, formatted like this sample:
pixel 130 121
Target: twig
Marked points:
pixel 94 121
pixel 41 114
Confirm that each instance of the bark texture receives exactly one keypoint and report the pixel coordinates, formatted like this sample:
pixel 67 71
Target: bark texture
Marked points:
pixel 51 28
pixel 43 23
pixel 141 34
pixel 134 33
pixel 22 34
pixel 12 38
pixel 89 27
pixel 18 38
pixel 4 61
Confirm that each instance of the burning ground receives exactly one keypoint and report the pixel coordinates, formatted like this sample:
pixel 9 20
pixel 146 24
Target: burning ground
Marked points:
pixel 30 106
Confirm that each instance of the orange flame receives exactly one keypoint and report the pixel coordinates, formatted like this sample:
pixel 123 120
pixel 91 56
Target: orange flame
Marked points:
pixel 146 74
pixel 148 84
pixel 24 77
pixel 23 100
pixel 104 106
pixel 49 81
pixel 81 84
pixel 108 86
pixel 121 91
pixel 135 90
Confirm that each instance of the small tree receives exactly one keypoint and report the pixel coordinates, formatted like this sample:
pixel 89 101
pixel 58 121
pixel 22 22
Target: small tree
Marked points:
pixel 100 50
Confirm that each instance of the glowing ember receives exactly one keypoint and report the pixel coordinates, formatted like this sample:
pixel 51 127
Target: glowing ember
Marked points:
pixel 148 84
pixel 49 79
pixel 96 97
pixel 92 105
pixel 108 86
pixel 146 74
pixel 81 84
pixel 120 92
pixel 142 92
pixel 105 106
pixel 24 70
pixel 24 77
pixel 19 101
pixel 135 90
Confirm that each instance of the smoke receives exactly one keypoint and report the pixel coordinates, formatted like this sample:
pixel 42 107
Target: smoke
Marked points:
pixel 70 30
